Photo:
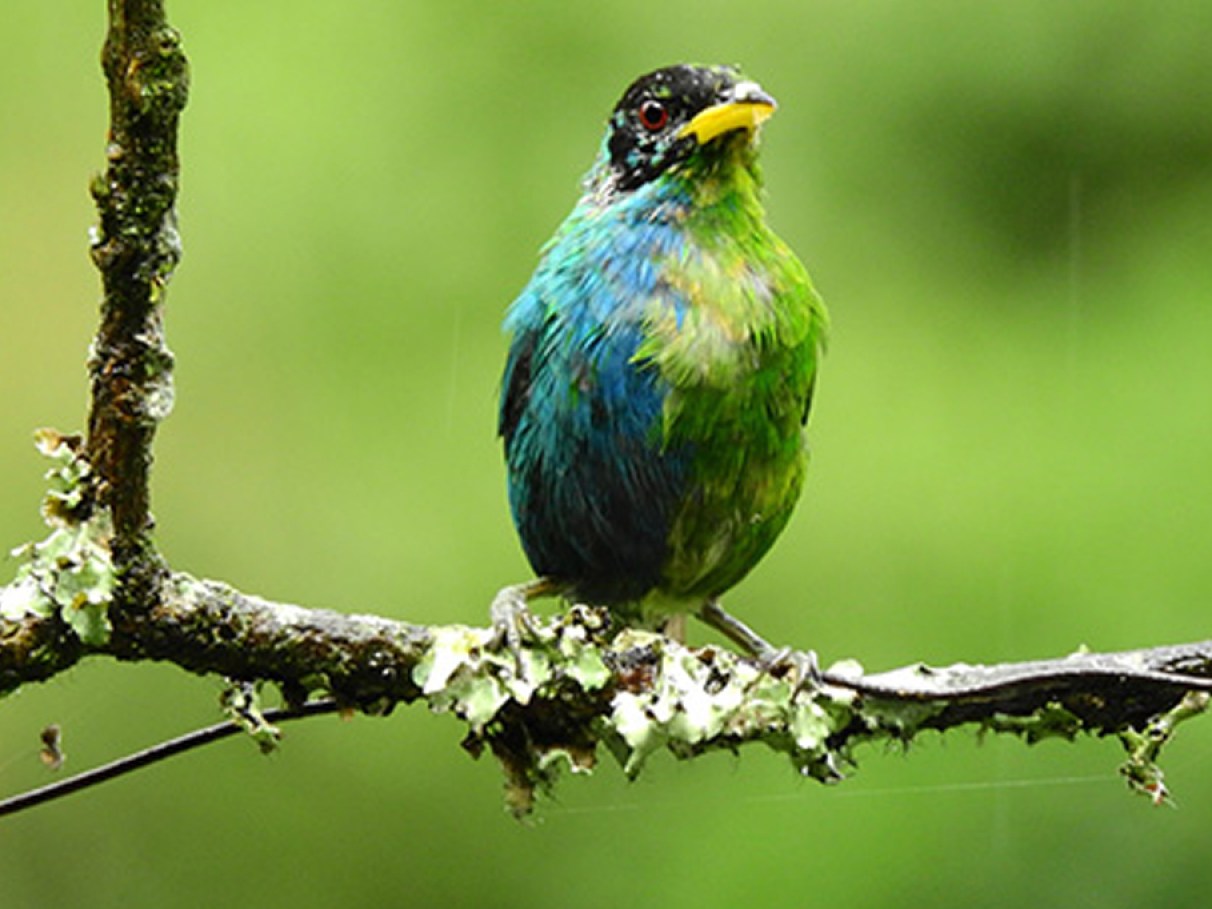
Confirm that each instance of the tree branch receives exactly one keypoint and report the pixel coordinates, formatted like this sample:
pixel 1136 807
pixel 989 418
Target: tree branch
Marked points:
pixel 136 247
pixel 210 628
pixel 579 683
pixel 97 586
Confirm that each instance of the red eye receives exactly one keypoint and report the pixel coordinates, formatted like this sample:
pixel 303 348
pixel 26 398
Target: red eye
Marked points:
pixel 653 115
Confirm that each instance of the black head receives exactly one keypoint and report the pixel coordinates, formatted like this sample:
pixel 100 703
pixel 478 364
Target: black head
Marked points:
pixel 665 116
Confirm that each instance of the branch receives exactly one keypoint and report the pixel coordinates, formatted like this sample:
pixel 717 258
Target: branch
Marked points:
pixel 579 683
pixel 136 247
pixel 208 627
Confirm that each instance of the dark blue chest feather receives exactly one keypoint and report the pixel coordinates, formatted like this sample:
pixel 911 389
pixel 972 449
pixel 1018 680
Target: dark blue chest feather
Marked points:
pixel 592 488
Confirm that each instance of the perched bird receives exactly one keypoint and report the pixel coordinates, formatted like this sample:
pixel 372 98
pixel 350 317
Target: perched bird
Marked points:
pixel 662 363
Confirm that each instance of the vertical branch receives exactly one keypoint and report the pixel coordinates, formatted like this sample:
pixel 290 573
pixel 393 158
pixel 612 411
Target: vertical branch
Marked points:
pixel 136 247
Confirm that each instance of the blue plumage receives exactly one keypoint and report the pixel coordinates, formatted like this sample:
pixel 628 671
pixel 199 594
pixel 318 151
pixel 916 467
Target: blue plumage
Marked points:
pixel 592 486
pixel 662 363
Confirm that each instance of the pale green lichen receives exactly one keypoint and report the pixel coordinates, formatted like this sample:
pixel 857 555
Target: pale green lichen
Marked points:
pixel 1051 721
pixel 636 692
pixel 241 701
pixel 70 573
pixel 466 673
pixel 899 719
pixel 701 698
pixel 581 662
pixel 1144 746
pixel 463 674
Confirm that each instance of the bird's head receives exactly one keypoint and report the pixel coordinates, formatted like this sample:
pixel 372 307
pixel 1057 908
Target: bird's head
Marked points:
pixel 666 116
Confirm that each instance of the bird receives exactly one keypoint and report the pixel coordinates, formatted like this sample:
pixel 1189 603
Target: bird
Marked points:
pixel 661 367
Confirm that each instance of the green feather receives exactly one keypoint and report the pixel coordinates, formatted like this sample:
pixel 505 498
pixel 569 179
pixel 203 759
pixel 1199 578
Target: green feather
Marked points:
pixel 741 367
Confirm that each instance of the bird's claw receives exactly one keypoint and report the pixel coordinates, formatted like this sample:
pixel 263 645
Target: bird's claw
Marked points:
pixel 802 665
pixel 512 620
pixel 513 624
pixel 774 661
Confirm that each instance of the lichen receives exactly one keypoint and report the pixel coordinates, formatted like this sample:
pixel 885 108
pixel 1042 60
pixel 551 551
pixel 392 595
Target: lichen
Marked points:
pixel 1050 721
pixel 71 572
pixel 696 699
pixel 1144 747
pixel 241 701
pixel 547 707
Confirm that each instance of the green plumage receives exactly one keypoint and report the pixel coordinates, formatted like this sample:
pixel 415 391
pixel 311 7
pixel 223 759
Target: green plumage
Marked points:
pixel 663 360
pixel 740 371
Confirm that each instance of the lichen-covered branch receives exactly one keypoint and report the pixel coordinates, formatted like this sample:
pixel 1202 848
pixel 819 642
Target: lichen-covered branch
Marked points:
pixel 33 648
pixel 579 684
pixel 135 247
pixel 208 627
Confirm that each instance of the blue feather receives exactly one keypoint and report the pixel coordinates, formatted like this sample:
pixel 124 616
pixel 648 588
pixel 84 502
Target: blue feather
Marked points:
pixel 593 485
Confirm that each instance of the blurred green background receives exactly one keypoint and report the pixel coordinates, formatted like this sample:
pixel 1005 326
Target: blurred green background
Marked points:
pixel 1007 206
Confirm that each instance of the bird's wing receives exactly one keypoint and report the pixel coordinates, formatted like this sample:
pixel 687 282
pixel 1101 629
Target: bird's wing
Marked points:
pixel 516 382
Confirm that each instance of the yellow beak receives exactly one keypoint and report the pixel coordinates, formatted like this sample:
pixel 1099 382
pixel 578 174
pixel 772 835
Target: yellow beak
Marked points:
pixel 748 108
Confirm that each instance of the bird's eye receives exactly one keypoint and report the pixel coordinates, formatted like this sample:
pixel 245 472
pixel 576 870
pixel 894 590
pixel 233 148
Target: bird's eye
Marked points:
pixel 653 115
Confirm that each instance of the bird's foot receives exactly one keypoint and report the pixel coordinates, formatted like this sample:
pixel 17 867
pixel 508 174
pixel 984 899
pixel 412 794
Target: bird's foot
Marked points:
pixel 775 661
pixel 801 665
pixel 513 624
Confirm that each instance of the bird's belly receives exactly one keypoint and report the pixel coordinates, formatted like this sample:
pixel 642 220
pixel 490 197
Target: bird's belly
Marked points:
pixel 633 483
pixel 730 517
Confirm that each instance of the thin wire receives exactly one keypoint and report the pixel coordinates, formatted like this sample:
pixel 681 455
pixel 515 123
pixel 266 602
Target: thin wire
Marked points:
pixel 846 793
pixel 981 785
pixel 159 752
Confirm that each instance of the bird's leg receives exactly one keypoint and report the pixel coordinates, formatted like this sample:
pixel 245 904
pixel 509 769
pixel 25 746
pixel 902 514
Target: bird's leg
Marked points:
pixel 735 630
pixel 675 627
pixel 512 620
pixel 802 663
